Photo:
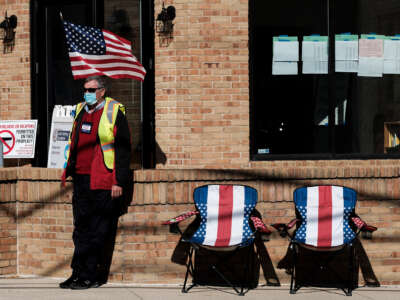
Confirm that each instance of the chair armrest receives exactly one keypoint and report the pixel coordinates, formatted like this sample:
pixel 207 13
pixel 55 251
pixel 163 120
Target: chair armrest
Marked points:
pixel 365 229
pixel 259 225
pixel 360 224
pixel 180 218
pixel 370 228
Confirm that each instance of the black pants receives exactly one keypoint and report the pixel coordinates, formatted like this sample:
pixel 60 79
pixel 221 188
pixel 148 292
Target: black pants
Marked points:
pixel 95 224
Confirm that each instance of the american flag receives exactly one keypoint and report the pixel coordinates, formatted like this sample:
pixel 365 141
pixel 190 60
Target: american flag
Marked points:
pixel 325 212
pixel 94 51
pixel 224 212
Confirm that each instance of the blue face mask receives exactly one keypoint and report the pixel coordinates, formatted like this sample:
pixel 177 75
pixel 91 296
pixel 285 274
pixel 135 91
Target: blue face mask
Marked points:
pixel 90 98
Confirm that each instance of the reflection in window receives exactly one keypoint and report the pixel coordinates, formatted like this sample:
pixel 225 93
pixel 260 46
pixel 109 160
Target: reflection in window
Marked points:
pixel 123 19
pixel 284 106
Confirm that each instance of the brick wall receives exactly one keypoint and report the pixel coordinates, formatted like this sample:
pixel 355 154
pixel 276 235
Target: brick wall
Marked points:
pixel 15 93
pixel 202 85
pixel 8 224
pixel 31 199
pixel 202 121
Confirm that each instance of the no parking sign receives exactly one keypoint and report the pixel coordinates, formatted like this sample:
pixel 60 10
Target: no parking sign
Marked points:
pixel 18 138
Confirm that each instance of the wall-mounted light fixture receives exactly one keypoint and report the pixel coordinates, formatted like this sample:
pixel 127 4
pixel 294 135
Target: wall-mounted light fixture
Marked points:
pixel 7 32
pixel 164 25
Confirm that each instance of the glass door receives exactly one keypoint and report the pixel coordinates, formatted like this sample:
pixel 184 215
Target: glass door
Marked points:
pixel 52 81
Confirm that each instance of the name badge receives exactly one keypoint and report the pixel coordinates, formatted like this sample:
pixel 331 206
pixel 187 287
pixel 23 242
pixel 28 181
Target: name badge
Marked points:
pixel 86 127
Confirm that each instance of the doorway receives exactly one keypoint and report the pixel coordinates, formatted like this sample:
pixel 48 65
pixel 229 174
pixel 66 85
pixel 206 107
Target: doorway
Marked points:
pixel 52 81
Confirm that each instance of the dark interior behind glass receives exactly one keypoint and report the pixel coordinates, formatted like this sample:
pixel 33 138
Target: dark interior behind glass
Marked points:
pixel 286 110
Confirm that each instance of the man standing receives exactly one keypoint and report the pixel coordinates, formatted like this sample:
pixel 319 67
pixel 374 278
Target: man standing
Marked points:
pixel 98 161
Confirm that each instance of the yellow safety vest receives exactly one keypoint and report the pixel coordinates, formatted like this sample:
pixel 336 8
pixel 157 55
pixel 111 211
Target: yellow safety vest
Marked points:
pixel 105 130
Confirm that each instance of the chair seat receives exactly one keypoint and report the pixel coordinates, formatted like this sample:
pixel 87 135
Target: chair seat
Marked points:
pixel 222 249
pixel 322 249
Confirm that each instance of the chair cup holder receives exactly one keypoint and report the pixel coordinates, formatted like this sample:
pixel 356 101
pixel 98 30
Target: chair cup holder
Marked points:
pixel 265 237
pixel 174 228
pixel 366 235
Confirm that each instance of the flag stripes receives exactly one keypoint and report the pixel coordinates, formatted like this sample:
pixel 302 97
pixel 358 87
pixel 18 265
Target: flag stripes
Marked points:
pixel 325 212
pixel 224 211
pixel 100 52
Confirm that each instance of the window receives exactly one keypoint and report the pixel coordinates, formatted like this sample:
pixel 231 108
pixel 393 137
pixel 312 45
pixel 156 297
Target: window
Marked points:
pixel 334 115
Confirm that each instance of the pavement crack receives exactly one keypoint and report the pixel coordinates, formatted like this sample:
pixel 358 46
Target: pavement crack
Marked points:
pixel 130 290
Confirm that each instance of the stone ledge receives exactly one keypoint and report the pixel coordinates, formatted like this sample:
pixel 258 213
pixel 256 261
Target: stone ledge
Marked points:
pixel 271 173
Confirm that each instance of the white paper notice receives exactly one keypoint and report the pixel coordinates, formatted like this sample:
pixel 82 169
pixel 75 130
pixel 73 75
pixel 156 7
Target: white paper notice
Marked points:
pixel 348 66
pixel 346 50
pixel 315 51
pixel 315 67
pixel 284 68
pixel 372 67
pixel 391 49
pixel 370 48
pixel 391 67
pixel 285 51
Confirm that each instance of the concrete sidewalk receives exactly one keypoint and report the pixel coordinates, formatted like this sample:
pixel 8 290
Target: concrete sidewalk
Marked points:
pixel 47 288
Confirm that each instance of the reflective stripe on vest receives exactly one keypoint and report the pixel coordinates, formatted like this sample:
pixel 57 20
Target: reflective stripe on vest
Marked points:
pixel 106 130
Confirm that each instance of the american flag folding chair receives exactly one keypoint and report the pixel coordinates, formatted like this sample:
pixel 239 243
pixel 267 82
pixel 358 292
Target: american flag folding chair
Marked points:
pixel 323 243
pixel 225 226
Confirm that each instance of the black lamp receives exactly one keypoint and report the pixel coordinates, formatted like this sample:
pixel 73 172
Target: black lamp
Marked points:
pixel 7 32
pixel 164 25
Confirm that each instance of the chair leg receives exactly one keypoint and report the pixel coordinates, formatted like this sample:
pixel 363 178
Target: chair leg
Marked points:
pixel 189 288
pixel 293 285
pixel 351 270
pixel 240 293
pixel 348 291
pixel 292 290
pixel 189 269
pixel 245 278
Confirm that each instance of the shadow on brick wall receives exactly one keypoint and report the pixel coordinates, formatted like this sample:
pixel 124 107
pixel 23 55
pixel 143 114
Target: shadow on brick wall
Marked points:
pixel 261 179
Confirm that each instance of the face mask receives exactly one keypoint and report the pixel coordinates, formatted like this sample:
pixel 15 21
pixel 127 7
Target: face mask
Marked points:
pixel 90 98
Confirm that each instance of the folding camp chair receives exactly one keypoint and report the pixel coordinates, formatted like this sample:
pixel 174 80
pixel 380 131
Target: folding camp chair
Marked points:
pixel 322 246
pixel 226 228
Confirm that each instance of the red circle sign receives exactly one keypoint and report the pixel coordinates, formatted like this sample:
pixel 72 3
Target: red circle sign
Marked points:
pixel 7 144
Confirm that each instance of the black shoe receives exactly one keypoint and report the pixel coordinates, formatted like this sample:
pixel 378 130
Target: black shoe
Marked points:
pixel 67 283
pixel 97 284
pixel 81 284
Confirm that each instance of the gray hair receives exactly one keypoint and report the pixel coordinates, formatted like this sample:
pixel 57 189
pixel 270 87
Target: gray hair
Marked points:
pixel 101 81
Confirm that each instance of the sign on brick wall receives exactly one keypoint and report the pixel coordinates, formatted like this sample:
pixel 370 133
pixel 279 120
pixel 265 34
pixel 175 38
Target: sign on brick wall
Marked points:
pixel 18 138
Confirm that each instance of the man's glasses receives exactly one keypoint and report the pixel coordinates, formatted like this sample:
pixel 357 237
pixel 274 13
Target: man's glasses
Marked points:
pixel 91 90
